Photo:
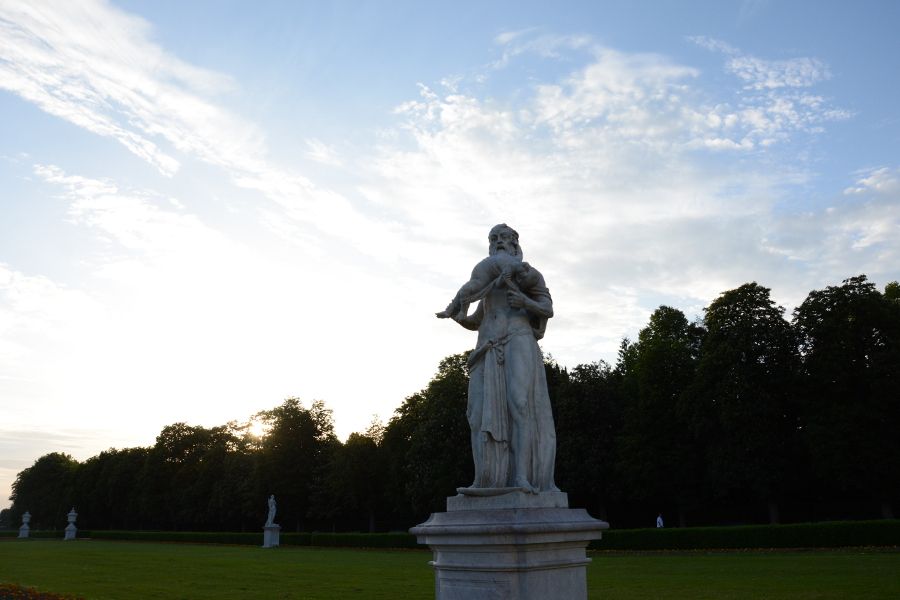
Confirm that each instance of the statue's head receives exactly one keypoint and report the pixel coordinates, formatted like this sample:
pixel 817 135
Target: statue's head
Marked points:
pixel 504 238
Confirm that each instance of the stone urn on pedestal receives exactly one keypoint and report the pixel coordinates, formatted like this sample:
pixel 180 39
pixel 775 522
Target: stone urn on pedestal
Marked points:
pixel 71 530
pixel 24 529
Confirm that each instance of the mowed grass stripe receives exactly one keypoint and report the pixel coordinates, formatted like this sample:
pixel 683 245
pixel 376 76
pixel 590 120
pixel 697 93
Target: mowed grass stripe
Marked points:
pixel 101 570
pixel 136 570
pixel 776 575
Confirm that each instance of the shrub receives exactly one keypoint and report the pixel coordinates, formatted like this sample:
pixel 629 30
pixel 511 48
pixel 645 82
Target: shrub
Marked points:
pixel 802 535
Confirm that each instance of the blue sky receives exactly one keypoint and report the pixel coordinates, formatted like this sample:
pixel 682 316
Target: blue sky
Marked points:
pixel 208 207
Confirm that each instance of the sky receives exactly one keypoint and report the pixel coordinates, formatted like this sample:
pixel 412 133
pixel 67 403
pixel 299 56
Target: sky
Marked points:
pixel 208 207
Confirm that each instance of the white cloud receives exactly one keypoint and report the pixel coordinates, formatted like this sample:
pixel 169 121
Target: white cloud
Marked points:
pixel 529 41
pixel 507 37
pixel 882 180
pixel 772 106
pixel 322 153
pixel 763 74
pixel 635 93
pixel 563 168
pixel 871 221
pixel 712 44
pixel 607 174
pixel 137 221
pixel 95 66
pixel 85 63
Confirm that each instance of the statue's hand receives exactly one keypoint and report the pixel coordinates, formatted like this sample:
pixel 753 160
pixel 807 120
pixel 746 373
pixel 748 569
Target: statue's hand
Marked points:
pixel 515 299
pixel 451 310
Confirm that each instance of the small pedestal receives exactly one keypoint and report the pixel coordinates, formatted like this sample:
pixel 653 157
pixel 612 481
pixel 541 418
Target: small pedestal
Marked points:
pixel 271 536
pixel 514 546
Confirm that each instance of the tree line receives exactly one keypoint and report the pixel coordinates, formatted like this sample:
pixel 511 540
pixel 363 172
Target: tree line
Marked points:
pixel 741 416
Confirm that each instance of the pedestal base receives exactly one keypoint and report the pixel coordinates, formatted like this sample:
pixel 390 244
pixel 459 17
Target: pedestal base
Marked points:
pixel 531 549
pixel 71 530
pixel 24 531
pixel 271 536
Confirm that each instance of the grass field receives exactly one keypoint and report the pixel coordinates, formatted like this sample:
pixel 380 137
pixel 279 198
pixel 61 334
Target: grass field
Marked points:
pixel 99 570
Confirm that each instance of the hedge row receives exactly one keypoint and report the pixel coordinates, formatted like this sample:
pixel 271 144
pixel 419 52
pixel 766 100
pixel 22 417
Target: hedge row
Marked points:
pixel 342 540
pixel 835 534
pixel 804 535
pixel 41 534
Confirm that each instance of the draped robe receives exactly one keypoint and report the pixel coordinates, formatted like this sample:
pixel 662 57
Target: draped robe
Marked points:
pixel 508 390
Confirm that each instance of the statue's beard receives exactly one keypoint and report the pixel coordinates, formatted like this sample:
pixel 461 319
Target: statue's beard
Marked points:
pixel 512 250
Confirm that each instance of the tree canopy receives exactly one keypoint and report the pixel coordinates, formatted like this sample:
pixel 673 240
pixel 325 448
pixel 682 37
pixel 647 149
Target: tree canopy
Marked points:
pixel 741 416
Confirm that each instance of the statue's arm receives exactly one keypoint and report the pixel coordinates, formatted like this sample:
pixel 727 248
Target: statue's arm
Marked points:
pixel 472 290
pixel 473 321
pixel 537 302
pixel 540 306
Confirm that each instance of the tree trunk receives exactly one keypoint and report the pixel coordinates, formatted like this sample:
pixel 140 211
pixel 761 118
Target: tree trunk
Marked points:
pixel 774 515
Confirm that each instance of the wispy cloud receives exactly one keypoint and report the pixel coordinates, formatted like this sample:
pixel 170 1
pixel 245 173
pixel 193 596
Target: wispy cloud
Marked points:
pixel 91 65
pixel 611 174
pixel 763 74
pixel 135 220
pixel 773 103
pixel 320 152
pixel 508 37
pixel 532 40
pixel 96 66
pixel 881 180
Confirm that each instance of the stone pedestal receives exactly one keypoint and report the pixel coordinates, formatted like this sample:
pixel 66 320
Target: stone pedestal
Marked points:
pixel 510 546
pixel 271 536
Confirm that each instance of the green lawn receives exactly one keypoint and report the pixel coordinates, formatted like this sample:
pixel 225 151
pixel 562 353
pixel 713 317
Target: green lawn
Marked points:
pixel 100 570
pixel 809 575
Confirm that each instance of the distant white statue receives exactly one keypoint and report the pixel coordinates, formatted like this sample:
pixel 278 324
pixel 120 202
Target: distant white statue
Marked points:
pixel 270 519
pixel 71 530
pixel 512 432
pixel 271 531
pixel 24 529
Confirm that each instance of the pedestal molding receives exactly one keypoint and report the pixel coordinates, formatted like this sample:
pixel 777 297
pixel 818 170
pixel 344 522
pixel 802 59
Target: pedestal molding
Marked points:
pixel 510 553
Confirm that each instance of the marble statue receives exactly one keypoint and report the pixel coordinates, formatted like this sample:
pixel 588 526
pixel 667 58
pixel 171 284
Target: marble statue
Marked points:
pixel 270 519
pixel 25 529
pixel 512 433
pixel 271 530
